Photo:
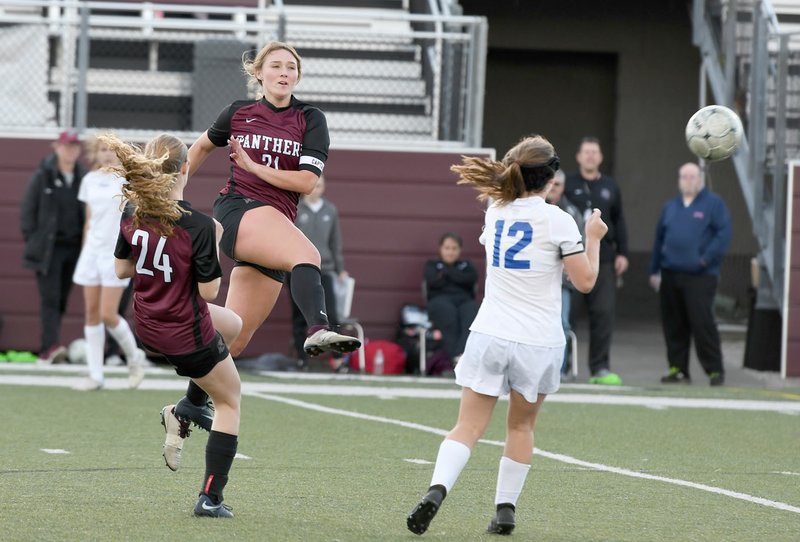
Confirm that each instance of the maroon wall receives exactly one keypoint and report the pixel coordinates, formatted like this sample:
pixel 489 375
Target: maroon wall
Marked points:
pixel 394 206
pixel 792 312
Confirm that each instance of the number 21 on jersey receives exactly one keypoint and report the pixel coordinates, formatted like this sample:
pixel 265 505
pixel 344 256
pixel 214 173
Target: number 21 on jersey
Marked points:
pixel 141 238
pixel 520 231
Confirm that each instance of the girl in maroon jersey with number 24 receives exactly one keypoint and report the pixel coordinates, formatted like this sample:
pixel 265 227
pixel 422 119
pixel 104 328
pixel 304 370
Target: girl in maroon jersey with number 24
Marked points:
pixel 170 250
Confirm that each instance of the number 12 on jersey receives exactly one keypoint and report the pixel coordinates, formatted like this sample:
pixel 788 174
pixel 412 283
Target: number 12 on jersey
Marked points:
pixel 520 230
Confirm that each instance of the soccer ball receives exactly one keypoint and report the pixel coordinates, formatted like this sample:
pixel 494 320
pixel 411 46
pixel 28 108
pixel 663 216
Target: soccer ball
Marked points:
pixel 77 351
pixel 714 133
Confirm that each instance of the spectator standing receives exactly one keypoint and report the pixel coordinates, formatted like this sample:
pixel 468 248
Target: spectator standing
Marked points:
pixel 692 235
pixel 588 189
pixel 51 220
pixel 318 219
pixel 556 197
pixel 450 283
pixel 101 193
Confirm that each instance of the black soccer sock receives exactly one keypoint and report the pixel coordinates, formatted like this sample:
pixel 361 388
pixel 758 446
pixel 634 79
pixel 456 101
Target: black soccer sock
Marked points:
pixel 196 395
pixel 308 294
pixel 220 451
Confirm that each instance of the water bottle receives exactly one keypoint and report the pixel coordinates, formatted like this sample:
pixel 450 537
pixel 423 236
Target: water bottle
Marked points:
pixel 378 363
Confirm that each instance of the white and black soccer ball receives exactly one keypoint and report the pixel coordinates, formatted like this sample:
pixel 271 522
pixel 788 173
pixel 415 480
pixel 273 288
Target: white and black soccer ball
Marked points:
pixel 77 351
pixel 714 133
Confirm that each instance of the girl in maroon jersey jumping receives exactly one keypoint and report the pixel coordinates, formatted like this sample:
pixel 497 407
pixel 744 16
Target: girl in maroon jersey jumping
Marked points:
pixel 170 250
pixel 278 148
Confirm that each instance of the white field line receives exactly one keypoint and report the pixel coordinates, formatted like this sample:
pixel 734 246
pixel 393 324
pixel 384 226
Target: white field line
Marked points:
pixel 384 392
pixel 426 381
pixel 557 457
pixel 76 368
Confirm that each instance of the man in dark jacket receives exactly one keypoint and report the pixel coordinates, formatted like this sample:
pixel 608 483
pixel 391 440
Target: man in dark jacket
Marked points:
pixel 587 188
pixel 52 227
pixel 692 235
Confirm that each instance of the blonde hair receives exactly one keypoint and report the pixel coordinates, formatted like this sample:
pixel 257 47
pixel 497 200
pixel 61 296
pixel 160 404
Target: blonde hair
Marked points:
pixel 92 147
pixel 151 174
pixel 504 181
pixel 253 67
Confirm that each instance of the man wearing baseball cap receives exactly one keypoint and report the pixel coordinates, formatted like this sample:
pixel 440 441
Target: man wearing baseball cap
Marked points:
pixel 52 226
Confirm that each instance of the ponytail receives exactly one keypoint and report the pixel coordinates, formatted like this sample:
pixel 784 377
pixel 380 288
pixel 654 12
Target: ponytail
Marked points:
pixel 527 167
pixel 151 175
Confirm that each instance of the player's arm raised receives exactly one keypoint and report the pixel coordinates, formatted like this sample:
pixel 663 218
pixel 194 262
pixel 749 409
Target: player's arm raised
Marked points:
pixel 199 151
pixel 582 268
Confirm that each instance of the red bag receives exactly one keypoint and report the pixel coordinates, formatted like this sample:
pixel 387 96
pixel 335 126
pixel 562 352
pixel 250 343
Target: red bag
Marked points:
pixel 394 357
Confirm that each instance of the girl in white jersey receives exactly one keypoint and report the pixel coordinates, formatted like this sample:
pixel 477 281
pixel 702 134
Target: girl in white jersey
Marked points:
pixel 516 344
pixel 101 191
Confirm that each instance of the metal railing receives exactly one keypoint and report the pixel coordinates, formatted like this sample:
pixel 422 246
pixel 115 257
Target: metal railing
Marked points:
pixel 751 66
pixel 383 76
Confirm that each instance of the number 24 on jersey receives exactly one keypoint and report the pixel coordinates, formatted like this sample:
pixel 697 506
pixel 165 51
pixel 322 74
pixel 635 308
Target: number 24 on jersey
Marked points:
pixel 160 260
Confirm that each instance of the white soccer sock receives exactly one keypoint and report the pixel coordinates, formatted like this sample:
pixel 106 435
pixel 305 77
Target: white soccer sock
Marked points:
pixel 510 479
pixel 95 344
pixel 452 458
pixel 124 336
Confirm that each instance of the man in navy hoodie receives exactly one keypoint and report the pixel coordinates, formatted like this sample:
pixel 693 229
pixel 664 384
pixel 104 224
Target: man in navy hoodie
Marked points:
pixel 692 235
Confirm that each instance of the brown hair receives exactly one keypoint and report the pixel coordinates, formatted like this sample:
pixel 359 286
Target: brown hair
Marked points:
pixel 504 181
pixel 151 174
pixel 253 67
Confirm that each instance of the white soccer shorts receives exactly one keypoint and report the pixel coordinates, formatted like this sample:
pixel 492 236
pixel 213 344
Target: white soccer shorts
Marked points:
pixel 493 366
pixel 96 269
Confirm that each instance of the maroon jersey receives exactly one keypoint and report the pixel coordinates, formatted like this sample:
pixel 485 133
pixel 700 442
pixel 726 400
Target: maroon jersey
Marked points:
pixel 169 314
pixel 290 138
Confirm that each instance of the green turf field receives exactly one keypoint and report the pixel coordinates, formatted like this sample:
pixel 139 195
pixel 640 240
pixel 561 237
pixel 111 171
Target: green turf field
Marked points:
pixel 327 463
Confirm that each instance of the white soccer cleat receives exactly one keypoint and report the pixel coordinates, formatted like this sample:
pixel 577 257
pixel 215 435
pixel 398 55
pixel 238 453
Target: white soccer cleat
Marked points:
pixel 88 384
pixel 176 431
pixel 136 369
pixel 325 340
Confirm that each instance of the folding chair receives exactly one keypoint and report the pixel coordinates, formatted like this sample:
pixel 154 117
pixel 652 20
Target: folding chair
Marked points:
pixel 573 354
pixel 344 297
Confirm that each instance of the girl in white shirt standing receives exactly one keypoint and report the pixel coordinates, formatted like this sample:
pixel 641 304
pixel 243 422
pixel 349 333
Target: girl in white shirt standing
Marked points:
pixel 516 344
pixel 101 191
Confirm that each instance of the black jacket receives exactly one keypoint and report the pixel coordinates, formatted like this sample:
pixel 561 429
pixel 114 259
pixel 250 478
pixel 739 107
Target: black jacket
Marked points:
pixel 458 279
pixel 603 194
pixel 50 213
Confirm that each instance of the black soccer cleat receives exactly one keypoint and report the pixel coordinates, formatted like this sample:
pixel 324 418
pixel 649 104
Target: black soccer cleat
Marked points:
pixel 503 520
pixel 676 376
pixel 421 516
pixel 206 508
pixel 201 416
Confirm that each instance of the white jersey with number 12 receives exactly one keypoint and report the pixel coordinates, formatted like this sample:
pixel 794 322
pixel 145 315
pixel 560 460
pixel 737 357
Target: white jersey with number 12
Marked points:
pixel 525 242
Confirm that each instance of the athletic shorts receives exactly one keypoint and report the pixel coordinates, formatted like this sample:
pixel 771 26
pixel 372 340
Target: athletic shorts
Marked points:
pixel 493 366
pixel 97 269
pixel 199 363
pixel 229 210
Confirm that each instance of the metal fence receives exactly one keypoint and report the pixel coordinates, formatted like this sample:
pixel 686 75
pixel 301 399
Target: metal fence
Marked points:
pixel 383 76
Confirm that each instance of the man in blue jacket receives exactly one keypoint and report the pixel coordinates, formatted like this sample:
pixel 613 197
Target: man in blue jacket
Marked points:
pixel 692 235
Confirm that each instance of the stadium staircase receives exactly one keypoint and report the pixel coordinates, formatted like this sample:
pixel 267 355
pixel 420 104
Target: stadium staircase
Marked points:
pixel 751 59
